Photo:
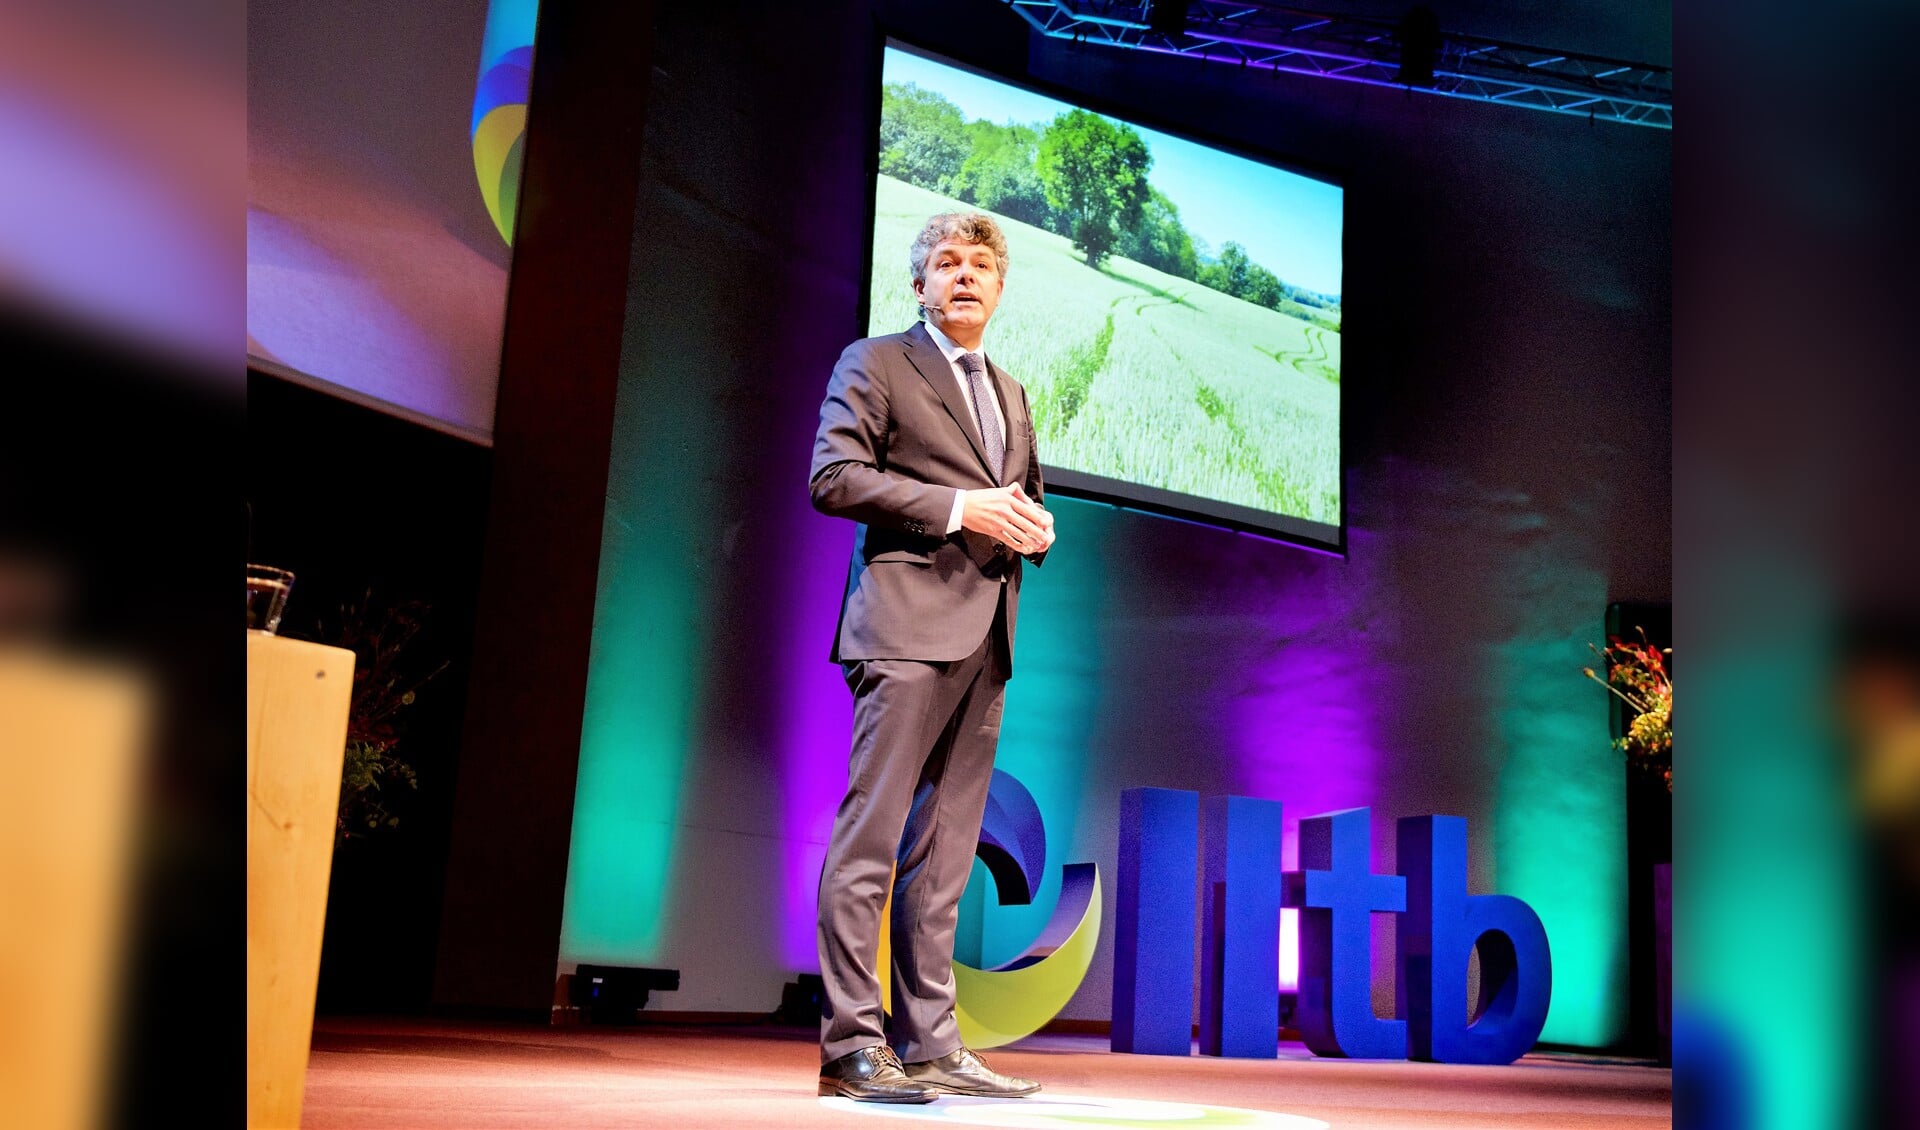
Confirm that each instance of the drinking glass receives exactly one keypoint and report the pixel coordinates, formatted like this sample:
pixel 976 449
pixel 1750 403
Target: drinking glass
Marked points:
pixel 267 589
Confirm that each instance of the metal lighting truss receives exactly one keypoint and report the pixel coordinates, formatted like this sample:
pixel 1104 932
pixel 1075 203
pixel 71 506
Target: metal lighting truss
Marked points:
pixel 1269 37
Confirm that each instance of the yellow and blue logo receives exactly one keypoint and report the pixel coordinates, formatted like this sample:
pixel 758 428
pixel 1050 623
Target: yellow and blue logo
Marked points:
pixel 1001 1004
pixel 499 124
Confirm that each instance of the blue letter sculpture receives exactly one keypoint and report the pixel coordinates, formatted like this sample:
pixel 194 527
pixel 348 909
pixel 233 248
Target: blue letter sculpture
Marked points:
pixel 1153 954
pixel 1240 929
pixel 1337 891
pixel 1442 927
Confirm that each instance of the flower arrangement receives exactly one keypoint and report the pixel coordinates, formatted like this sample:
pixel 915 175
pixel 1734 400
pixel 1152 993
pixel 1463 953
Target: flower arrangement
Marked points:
pixel 1637 675
pixel 383 686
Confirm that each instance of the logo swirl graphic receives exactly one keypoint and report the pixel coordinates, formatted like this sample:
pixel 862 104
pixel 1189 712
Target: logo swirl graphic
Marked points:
pixel 1001 1004
pixel 499 124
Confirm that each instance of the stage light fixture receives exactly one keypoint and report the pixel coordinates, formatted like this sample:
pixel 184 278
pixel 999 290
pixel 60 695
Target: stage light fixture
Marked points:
pixel 1420 43
pixel 800 1001
pixel 1168 17
pixel 613 994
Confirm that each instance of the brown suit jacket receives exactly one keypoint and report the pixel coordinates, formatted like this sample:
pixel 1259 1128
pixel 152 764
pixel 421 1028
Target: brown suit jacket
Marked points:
pixel 896 439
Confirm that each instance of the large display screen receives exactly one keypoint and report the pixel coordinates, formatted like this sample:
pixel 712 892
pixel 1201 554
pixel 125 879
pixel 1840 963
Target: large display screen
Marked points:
pixel 383 174
pixel 1172 308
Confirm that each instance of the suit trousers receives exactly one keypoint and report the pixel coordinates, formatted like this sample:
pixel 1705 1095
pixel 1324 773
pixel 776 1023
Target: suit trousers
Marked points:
pixel 924 736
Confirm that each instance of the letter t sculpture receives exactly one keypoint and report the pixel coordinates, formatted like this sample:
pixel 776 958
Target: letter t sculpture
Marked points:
pixel 1337 891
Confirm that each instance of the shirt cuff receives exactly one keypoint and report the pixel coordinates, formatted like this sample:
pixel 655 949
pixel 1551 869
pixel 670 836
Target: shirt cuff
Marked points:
pixel 959 508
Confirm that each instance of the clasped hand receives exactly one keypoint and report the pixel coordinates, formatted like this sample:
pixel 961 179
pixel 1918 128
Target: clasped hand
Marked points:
pixel 1006 513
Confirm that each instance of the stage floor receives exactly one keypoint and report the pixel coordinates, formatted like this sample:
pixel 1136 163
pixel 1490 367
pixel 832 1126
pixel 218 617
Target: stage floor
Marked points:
pixel 385 1073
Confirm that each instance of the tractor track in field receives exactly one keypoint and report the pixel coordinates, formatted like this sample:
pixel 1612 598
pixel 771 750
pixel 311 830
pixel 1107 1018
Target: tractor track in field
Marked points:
pixel 1308 362
pixel 1063 399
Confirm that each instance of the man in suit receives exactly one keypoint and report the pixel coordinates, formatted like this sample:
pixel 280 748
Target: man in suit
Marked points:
pixel 930 448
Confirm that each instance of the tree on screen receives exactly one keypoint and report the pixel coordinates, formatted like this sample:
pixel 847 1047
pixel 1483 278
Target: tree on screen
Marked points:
pixel 1094 172
pixel 999 175
pixel 1160 240
pixel 923 138
pixel 1230 273
pixel 1263 287
pixel 1236 274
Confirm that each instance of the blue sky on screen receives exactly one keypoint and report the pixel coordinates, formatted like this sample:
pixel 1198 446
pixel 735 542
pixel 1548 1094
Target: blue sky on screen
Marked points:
pixel 1288 223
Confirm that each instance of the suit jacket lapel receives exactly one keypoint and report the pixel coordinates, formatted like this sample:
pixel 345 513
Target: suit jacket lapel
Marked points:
pixel 933 366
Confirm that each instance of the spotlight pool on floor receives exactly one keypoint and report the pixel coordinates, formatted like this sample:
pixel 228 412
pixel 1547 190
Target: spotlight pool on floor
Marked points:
pixel 1060 1112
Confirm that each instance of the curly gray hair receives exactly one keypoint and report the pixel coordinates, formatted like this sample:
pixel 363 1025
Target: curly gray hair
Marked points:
pixel 967 227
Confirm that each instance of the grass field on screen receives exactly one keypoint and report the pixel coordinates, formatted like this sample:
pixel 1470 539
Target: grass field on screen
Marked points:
pixel 1143 376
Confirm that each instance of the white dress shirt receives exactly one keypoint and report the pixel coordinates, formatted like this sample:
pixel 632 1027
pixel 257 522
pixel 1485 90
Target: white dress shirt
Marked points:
pixel 953 352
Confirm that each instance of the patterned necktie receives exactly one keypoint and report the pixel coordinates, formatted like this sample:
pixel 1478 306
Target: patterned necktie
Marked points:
pixel 996 441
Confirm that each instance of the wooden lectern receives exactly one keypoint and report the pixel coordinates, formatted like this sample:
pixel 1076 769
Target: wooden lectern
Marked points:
pixel 297 699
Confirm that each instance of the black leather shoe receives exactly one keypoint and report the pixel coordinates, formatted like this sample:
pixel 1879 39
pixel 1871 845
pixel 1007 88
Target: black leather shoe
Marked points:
pixel 963 1072
pixel 873 1075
